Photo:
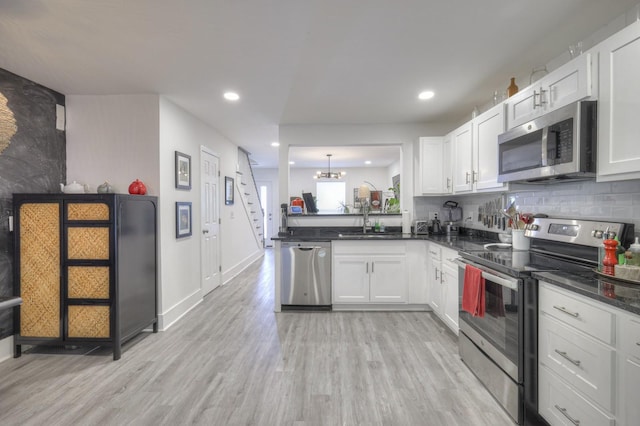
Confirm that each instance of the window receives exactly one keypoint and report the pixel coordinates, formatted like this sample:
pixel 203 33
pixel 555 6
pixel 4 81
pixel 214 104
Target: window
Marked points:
pixel 331 197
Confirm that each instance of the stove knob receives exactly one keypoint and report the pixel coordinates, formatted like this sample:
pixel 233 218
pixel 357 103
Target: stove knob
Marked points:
pixel 597 234
pixel 612 234
pixel 534 227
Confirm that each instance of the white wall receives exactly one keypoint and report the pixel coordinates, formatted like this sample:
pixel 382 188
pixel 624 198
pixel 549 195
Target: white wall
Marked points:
pixel 113 138
pixel 120 138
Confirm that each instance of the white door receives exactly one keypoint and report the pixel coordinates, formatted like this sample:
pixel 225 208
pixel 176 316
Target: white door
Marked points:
pixel 264 189
pixel 210 212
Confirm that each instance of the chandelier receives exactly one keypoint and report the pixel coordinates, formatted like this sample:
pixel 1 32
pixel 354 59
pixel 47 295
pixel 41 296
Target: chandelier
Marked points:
pixel 329 174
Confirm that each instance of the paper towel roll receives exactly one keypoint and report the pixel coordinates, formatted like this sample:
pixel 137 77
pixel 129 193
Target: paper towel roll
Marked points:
pixel 406 222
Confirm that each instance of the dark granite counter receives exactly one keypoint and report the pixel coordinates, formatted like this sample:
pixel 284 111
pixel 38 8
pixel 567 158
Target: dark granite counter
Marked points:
pixel 615 293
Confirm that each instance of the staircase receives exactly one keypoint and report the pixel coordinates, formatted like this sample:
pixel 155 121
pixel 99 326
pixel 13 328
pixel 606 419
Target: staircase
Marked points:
pixel 248 190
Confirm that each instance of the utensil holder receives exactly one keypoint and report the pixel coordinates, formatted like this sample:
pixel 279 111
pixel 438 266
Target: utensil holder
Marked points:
pixel 520 242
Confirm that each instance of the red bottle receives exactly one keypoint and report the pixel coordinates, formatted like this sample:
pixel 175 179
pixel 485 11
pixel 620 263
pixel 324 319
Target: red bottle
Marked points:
pixel 610 259
pixel 137 188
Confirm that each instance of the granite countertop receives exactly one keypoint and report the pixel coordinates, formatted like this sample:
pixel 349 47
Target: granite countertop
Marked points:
pixel 610 291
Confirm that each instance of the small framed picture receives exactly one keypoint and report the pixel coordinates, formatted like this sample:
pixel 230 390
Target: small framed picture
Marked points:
pixel 228 190
pixel 183 219
pixel 183 171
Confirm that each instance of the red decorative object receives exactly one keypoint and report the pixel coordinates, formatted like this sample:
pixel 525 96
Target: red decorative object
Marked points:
pixel 137 188
pixel 298 202
pixel 610 257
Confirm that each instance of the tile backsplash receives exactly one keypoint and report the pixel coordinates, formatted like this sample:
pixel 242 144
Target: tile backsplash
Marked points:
pixel 611 201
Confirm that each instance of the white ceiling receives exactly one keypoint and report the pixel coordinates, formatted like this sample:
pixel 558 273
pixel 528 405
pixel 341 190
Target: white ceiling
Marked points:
pixel 292 61
pixel 343 156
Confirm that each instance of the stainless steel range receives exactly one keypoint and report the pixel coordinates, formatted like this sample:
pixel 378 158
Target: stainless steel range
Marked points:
pixel 501 346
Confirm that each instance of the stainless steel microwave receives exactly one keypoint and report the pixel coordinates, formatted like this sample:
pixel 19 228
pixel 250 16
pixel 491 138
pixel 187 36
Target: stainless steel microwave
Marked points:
pixel 560 145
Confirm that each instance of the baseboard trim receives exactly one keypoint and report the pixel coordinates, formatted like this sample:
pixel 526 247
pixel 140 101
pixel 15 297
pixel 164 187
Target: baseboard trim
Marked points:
pixel 6 348
pixel 180 309
pixel 380 307
pixel 234 271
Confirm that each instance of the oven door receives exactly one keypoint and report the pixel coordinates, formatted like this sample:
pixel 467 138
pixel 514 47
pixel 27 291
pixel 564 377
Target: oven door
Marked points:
pixel 498 333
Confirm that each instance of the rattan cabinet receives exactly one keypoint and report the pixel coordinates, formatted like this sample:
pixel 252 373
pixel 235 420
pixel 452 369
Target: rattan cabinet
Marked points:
pixel 85 267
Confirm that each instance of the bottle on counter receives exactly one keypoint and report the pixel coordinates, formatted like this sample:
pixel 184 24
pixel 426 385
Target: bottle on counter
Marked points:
pixel 633 254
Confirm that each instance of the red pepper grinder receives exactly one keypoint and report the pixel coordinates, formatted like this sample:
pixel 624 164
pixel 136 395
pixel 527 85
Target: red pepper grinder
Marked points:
pixel 610 259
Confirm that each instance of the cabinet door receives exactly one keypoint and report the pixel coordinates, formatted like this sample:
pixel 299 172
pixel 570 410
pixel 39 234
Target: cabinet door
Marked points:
pixel 431 166
pixel 434 278
pixel 523 106
pixel 569 83
pixel 486 129
pixel 39 263
pixel 387 280
pixel 463 159
pixel 619 106
pixel 447 161
pixel 629 394
pixel 350 282
pixel 450 292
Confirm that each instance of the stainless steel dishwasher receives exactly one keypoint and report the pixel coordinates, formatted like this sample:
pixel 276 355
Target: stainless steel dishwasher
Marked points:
pixel 306 274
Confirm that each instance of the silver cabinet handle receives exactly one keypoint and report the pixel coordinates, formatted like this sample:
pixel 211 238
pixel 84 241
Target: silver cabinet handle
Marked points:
pixel 448 183
pixel 205 231
pixel 565 311
pixel 474 177
pixel 534 99
pixel 568 358
pixel 367 267
pixel 467 177
pixel 373 265
pixel 437 274
pixel 542 92
pixel 638 343
pixel 564 413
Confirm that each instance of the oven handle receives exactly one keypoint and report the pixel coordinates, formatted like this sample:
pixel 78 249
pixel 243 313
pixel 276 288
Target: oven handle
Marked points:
pixel 490 275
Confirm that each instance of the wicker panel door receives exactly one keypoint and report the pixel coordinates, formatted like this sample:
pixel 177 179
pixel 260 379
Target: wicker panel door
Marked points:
pixel 88 270
pixel 40 270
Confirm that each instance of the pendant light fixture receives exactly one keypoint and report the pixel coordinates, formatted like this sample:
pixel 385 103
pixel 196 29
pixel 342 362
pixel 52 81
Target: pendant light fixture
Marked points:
pixel 329 174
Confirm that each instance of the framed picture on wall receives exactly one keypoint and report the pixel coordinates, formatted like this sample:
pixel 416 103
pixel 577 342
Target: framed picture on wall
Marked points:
pixel 228 190
pixel 183 219
pixel 183 171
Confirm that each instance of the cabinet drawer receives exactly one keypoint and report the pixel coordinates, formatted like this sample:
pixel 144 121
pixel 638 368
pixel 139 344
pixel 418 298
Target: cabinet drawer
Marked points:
pixel 560 405
pixel 631 337
pixel 88 282
pixel 435 251
pixel 572 310
pixel 88 321
pixel 87 211
pixel 585 363
pixel 90 243
pixel 365 248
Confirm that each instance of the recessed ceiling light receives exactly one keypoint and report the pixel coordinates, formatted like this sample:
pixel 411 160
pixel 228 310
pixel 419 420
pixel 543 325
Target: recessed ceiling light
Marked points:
pixel 292 162
pixel 275 143
pixel 423 96
pixel 367 162
pixel 231 96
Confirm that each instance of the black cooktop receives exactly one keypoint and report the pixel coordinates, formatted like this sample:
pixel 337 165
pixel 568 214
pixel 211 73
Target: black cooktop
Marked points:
pixel 520 262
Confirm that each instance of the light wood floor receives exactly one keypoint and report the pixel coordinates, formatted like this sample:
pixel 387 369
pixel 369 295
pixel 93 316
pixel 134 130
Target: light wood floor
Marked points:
pixel 233 361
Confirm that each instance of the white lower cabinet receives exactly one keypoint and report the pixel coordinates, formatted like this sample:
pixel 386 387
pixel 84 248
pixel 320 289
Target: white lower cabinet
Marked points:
pixel 443 285
pixel 369 272
pixel 588 360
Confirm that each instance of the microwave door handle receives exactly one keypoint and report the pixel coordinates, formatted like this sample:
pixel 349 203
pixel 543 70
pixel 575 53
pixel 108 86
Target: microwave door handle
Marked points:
pixel 545 132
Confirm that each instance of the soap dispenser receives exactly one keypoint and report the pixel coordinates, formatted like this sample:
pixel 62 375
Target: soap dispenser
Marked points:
pixel 634 250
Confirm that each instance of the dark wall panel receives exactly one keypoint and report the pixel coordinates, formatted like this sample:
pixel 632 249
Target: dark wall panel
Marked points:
pixel 32 160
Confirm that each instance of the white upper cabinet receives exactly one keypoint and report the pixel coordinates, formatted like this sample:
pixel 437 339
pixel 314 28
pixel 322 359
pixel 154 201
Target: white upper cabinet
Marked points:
pixel 475 165
pixel 569 83
pixel 463 158
pixel 433 175
pixel 619 105
pixel 486 128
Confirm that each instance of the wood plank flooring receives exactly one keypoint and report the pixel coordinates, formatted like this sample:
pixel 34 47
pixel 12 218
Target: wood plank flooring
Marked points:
pixel 233 361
